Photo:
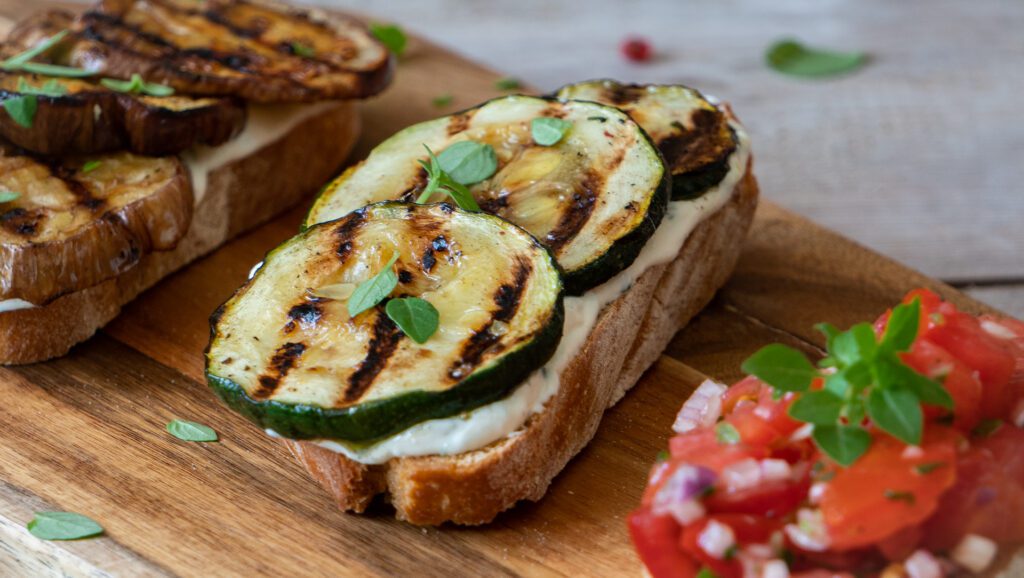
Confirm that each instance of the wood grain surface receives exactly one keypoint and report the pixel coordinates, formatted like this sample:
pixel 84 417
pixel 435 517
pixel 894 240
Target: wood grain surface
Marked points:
pixel 86 433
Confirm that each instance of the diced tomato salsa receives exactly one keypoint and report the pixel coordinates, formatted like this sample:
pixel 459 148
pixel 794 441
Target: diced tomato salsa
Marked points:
pixel 752 495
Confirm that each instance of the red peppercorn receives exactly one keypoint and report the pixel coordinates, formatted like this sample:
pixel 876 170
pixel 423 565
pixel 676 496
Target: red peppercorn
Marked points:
pixel 636 49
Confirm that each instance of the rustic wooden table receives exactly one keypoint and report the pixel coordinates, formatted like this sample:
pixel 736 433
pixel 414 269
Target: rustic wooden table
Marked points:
pixel 918 155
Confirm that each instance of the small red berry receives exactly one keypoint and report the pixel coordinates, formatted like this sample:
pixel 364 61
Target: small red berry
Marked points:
pixel 636 49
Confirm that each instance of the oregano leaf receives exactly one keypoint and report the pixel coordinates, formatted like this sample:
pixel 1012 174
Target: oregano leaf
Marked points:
pixel 842 443
pixel 191 431
pixel 416 317
pixel 63 526
pixel 547 131
pixel 374 290
pixel 795 59
pixel 897 412
pixel 781 367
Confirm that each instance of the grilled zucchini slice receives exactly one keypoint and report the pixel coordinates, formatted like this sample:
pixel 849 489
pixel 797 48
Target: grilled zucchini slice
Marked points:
pixel 692 133
pixel 594 198
pixel 285 352
pixel 77 221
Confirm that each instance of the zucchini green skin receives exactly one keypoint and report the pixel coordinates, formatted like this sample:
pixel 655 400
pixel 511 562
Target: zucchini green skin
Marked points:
pixel 617 257
pixel 696 165
pixel 377 419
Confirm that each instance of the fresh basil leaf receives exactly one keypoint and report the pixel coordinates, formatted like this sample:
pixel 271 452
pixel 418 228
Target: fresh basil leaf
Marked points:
pixel 8 196
pixel 793 58
pixel 63 526
pixel 303 50
pixel 856 344
pixel 442 100
pixel 374 290
pixel 855 377
pixel 726 433
pixel 781 367
pixel 547 131
pixel 463 197
pixel 55 70
pixel 191 431
pixel 820 407
pixel 416 317
pixel 507 83
pixel 843 443
pixel 90 167
pixel 17 60
pixel 894 374
pixel 52 88
pixel 22 109
pixel 829 331
pixel 468 162
pixel 137 86
pixel 897 412
pixel 901 330
pixel 390 36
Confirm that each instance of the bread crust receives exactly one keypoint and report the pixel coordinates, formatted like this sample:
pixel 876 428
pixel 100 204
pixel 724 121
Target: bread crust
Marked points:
pixel 239 196
pixel 474 487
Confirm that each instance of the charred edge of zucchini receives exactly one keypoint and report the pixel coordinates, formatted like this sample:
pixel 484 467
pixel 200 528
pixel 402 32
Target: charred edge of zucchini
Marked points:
pixel 375 420
pixel 621 254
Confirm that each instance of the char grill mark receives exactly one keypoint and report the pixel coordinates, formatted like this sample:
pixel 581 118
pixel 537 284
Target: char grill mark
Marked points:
pixel 285 358
pixel 346 231
pixel 507 298
pixel 305 315
pixel 684 148
pixel 383 344
pixel 577 213
pixel 621 94
pixel 21 221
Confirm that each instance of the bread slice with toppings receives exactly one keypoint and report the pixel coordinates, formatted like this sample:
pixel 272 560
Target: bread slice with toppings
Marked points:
pixel 630 334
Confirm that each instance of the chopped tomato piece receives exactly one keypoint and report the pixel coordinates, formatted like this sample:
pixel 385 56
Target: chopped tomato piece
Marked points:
pixel 990 485
pixel 702 448
pixel 656 539
pixel 888 489
pixel 933 361
pixel 773 499
pixel 765 423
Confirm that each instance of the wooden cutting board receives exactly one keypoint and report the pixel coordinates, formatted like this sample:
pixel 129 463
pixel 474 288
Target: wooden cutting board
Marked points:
pixel 86 433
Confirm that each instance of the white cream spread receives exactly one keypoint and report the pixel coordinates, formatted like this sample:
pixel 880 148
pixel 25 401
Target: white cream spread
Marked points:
pixel 490 423
pixel 14 305
pixel 264 125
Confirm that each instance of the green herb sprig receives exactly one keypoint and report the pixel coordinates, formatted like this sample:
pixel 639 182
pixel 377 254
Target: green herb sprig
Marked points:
pixel 191 431
pixel 8 196
pixel 22 109
pixel 374 290
pixel 63 526
pixel 451 172
pixel 508 83
pixel 442 100
pixel 795 59
pixel 391 36
pixel 547 131
pixel 22 62
pixel 137 86
pixel 416 317
pixel 303 50
pixel 51 88
pixel 865 377
pixel 91 166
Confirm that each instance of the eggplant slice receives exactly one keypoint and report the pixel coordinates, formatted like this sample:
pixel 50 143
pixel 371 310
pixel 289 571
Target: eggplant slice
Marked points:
pixel 692 133
pixel 256 50
pixel 79 221
pixel 91 118
pixel 285 352
pixel 594 198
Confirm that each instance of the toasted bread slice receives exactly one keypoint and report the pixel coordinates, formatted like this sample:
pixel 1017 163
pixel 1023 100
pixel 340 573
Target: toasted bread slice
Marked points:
pixel 474 487
pixel 257 50
pixel 77 116
pixel 238 196
pixel 74 225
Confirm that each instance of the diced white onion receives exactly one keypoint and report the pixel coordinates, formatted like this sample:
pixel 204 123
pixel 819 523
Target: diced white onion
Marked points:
pixel 750 473
pixel 774 470
pixel 803 432
pixel 816 492
pixel 809 531
pixel 912 453
pixel 716 538
pixel 921 564
pixel 974 552
pixel 680 494
pixel 997 329
pixel 775 569
pixel 702 409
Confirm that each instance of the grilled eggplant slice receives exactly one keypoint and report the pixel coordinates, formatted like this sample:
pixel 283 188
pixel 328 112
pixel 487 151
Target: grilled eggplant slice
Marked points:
pixel 285 352
pixel 593 199
pixel 257 50
pixel 692 133
pixel 73 225
pixel 90 118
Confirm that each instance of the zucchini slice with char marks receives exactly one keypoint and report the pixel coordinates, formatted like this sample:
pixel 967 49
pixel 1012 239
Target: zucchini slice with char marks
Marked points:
pixel 285 352
pixel 593 198
pixel 692 133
